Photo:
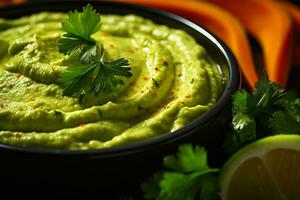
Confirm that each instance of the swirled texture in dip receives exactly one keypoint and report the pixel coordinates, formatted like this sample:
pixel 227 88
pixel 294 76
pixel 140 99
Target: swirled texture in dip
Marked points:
pixel 174 81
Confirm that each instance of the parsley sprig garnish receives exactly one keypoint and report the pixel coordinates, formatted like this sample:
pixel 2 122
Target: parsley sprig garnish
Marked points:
pixel 268 110
pixel 187 177
pixel 93 73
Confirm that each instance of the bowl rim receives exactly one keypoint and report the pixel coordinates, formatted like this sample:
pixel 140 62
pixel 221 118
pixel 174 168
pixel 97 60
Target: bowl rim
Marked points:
pixel 233 84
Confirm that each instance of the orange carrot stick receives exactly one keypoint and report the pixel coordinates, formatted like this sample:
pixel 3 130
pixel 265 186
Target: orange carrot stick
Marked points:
pixel 295 13
pixel 271 25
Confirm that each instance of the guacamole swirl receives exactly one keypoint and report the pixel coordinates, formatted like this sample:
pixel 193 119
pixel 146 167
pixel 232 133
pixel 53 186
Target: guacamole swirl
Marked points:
pixel 174 81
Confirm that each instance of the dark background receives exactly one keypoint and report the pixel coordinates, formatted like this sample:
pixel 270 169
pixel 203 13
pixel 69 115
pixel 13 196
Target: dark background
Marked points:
pixel 294 1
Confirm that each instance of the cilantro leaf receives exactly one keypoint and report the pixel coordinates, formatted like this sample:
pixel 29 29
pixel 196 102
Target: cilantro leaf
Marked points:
pixel 84 51
pixel 284 123
pixel 188 159
pixel 266 111
pixel 287 121
pixel 187 177
pixel 106 81
pixel 244 133
pixel 77 41
pixel 82 25
pixel 243 102
pixel 179 186
pixel 243 122
pixel 268 94
pixel 79 80
pixel 75 80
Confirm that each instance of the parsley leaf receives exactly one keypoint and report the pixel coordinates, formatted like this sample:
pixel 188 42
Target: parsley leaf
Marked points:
pixel 78 49
pixel 268 94
pixel 243 102
pixel 288 120
pixel 187 177
pixel 77 41
pixel 105 80
pixel 82 25
pixel 79 80
pixel 76 79
pixel 265 111
pixel 188 159
pixel 242 135
pixel 93 74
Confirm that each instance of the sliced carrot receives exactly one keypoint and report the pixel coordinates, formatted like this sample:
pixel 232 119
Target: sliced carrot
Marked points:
pixel 271 25
pixel 4 2
pixel 295 13
pixel 219 22
pixel 7 2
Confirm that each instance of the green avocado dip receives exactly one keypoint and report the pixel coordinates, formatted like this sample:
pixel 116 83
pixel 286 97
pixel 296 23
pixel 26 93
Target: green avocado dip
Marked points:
pixel 173 82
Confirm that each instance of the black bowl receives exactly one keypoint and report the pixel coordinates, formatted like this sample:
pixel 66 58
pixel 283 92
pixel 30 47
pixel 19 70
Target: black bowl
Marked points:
pixel 122 167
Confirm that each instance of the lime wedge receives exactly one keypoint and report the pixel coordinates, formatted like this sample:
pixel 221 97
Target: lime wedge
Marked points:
pixel 268 169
